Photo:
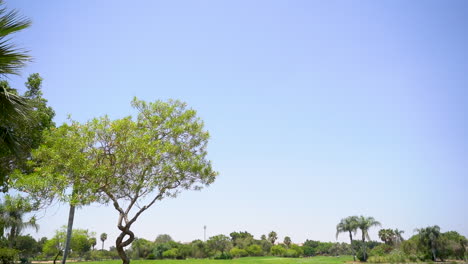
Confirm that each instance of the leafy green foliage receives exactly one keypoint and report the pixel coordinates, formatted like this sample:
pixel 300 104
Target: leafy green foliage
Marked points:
pixel 21 127
pixel 159 154
pixel 277 250
pixel 80 243
pixel 163 238
pixel 219 243
pixel 272 237
pixel 171 253
pixel 255 250
pixel 287 241
pixel 12 212
pixel 238 252
pixel 8 255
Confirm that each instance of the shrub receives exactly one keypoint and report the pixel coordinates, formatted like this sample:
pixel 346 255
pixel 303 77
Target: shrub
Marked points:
pixel 298 249
pixel 238 253
pixel 277 250
pixel 291 253
pixel 8 256
pixel 151 256
pixel 255 250
pixel 380 250
pixel 396 256
pixel 98 255
pixel 171 253
pixel 223 256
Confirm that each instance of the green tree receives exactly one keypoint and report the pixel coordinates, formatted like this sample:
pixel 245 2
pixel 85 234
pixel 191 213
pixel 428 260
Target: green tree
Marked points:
pixel 272 237
pixel 219 243
pixel 54 246
pixel 287 241
pixel 157 155
pixel 364 224
pixel 277 250
pixel 387 236
pixel 26 245
pixel 24 131
pixel 199 249
pixel 103 239
pixel 348 225
pixel 428 236
pixel 238 252
pixel 12 213
pixel 163 238
pixel 241 239
pixel 93 242
pixel 81 242
pixel 254 250
pixel 141 248
pixel 452 245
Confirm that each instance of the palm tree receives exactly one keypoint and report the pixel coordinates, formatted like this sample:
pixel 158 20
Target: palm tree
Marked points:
pixel 103 238
pixel 12 212
pixel 387 236
pixel 429 236
pixel 348 224
pixel 272 236
pixel 364 224
pixel 12 60
pixel 398 237
pixel 287 241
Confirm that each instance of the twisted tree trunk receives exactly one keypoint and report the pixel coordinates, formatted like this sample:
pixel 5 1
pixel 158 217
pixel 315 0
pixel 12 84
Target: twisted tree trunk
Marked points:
pixel 120 243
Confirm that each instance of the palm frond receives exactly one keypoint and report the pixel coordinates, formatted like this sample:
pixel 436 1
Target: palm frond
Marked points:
pixel 12 59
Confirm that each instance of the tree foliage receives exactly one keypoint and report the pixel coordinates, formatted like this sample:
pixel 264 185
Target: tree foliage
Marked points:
pixel 22 132
pixel 125 161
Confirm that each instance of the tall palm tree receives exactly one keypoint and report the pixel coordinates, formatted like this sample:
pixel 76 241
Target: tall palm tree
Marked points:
pixel 387 236
pixel 398 237
pixel 103 238
pixel 364 224
pixel 429 236
pixel 12 212
pixel 348 224
pixel 12 59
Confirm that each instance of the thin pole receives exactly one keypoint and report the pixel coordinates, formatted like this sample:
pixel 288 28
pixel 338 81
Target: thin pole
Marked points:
pixel 204 235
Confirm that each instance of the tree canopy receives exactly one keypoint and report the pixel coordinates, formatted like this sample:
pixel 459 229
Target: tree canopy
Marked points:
pixel 155 155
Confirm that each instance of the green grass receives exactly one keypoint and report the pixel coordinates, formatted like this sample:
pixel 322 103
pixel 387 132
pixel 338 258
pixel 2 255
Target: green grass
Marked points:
pixel 250 260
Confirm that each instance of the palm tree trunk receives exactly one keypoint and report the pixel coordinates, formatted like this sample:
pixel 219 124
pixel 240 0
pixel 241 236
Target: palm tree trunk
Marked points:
pixel 352 248
pixel 364 247
pixel 433 253
pixel 71 216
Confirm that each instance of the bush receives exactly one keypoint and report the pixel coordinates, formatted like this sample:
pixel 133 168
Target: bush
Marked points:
pixel 223 256
pixel 396 256
pixel 238 253
pixel 8 256
pixel 380 250
pixel 255 250
pixel 291 253
pixel 298 249
pixel 277 250
pixel 171 253
pixel 151 256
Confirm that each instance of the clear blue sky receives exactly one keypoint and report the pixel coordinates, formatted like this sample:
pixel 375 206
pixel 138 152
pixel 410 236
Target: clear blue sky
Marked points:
pixel 317 109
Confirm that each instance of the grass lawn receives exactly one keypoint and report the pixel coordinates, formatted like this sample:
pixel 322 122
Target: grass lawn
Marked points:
pixel 250 260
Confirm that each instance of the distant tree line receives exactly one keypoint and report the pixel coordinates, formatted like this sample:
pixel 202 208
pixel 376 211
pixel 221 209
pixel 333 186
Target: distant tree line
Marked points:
pixel 428 244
